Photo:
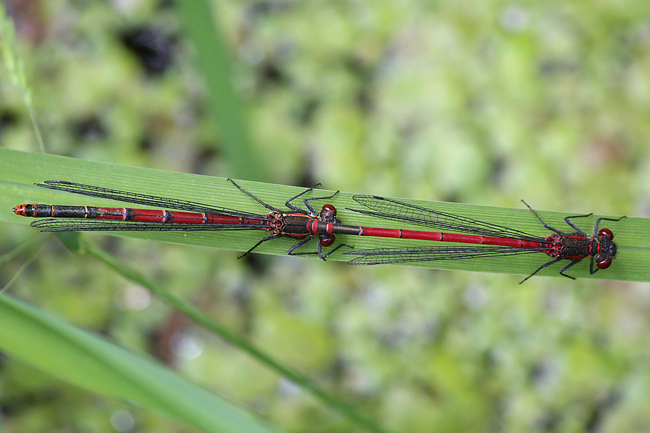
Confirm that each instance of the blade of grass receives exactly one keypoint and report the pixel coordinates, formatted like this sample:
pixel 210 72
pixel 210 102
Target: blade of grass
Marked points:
pixel 18 170
pixel 34 253
pixel 225 333
pixel 226 106
pixel 18 250
pixel 16 70
pixel 95 364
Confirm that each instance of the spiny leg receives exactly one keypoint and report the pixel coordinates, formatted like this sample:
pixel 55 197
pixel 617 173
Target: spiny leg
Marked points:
pixel 546 226
pixel 297 245
pixel 322 256
pixel 573 262
pixel 333 250
pixel 572 225
pixel 317 198
pixel 250 250
pixel 542 267
pixel 605 219
pixel 268 206
pixel 291 206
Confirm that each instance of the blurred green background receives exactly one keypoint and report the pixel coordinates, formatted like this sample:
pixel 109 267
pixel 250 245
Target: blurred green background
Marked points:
pixel 485 103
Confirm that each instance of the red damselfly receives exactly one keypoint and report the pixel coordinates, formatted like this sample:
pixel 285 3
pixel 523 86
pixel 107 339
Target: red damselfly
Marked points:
pixel 192 216
pixel 304 225
pixel 502 241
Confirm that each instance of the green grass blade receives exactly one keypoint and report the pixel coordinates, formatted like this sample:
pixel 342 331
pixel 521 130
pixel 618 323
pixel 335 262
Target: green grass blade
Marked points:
pixel 227 107
pixel 32 256
pixel 236 340
pixel 93 363
pixel 18 170
pixel 16 69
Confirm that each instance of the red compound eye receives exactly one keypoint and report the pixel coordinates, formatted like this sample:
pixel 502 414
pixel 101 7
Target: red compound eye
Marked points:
pixel 326 240
pixel 331 209
pixel 607 233
pixel 603 260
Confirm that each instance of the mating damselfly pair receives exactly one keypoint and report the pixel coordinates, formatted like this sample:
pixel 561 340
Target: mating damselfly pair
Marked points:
pixel 486 239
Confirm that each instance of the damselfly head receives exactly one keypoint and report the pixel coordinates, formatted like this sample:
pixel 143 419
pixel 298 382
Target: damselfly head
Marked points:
pixel 607 249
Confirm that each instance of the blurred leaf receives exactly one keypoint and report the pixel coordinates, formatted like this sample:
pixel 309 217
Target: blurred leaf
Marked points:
pixel 16 69
pixel 97 365
pixel 227 108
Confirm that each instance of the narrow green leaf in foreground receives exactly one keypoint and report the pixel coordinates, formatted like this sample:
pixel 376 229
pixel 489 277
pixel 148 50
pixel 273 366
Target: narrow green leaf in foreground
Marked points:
pixel 238 341
pixel 93 363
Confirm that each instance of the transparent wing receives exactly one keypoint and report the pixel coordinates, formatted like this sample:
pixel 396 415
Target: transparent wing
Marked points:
pixel 395 210
pixel 142 199
pixel 378 256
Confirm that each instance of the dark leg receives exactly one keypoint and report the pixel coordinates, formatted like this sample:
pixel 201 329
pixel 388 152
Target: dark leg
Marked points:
pixel 591 266
pixel 544 266
pixel 291 251
pixel 334 250
pixel 545 226
pixel 250 250
pixel 290 206
pixel 573 226
pixel 317 198
pixel 257 200
pixel 604 219
pixel 573 262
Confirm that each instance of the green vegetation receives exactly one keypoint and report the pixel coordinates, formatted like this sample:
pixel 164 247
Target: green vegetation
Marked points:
pixel 477 103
